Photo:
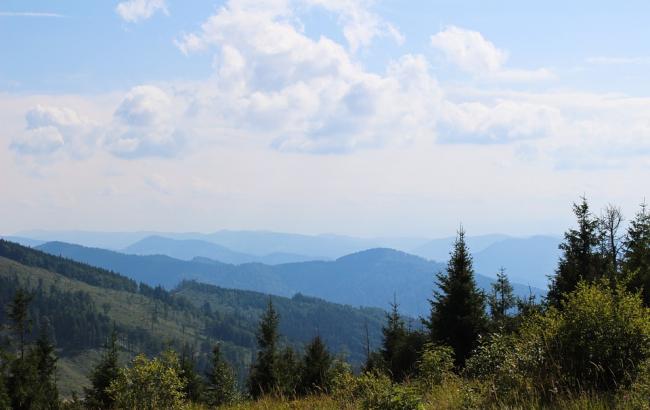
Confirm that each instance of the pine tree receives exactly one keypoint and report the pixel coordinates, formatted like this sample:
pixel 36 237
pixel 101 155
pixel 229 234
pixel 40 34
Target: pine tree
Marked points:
pixel 221 388
pixel 102 375
pixel 193 383
pixel 315 367
pixel 264 372
pixel 458 309
pixel 636 253
pixel 43 358
pixel 5 401
pixel 289 372
pixel 394 335
pixel 582 257
pixel 19 317
pixel 501 299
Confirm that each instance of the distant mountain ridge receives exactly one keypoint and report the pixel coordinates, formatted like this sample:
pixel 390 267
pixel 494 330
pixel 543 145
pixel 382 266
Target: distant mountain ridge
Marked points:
pixel 188 249
pixel 367 278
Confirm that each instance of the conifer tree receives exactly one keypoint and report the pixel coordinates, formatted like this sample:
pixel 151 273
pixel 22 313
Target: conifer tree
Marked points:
pixel 5 401
pixel 221 387
pixel 582 257
pixel 315 367
pixel 19 317
pixel 501 299
pixel 458 309
pixel 264 372
pixel 636 253
pixel 394 336
pixel 102 375
pixel 289 372
pixel 192 381
pixel 43 358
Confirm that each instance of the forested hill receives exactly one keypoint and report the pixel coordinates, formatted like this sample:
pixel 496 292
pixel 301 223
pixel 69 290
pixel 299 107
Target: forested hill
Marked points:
pixel 78 304
pixel 367 278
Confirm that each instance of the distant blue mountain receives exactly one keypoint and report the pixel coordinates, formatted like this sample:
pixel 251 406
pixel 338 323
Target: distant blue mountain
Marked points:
pixel 368 278
pixel 23 241
pixel 438 249
pixel 526 260
pixel 188 249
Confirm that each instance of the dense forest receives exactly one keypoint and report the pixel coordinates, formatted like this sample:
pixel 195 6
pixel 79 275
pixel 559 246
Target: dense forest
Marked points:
pixel 586 345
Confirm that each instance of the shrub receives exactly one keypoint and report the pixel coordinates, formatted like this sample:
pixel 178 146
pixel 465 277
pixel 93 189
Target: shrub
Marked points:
pixel 149 384
pixel 435 364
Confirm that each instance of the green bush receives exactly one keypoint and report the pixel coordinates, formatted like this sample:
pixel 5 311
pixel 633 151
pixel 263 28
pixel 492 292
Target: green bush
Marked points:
pixel 149 384
pixel 435 364
pixel 375 391
pixel 597 341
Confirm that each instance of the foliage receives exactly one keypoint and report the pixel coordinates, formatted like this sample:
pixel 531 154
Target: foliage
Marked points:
pixel 458 311
pixel 221 387
pixel 102 376
pixel 263 377
pixel 436 364
pixel 316 366
pixel 582 258
pixel 501 301
pixel 376 391
pixel 149 384
pixel 636 253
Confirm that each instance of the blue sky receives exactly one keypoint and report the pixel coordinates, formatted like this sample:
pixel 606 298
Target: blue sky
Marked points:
pixel 347 116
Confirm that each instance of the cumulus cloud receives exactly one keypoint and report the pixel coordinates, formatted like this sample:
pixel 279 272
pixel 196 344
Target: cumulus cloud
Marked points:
pixel 50 129
pixel 137 10
pixel 144 125
pixel 309 94
pixel 474 54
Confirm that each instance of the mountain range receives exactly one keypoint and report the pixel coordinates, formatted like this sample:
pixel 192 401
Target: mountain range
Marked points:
pixel 527 260
pixel 368 278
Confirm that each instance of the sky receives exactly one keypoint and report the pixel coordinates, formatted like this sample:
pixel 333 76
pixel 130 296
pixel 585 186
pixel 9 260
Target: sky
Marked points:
pixel 357 117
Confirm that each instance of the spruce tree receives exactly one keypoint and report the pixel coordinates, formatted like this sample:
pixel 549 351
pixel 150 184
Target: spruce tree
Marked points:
pixel 289 372
pixel 315 367
pixel 394 336
pixel 263 378
pixel 19 317
pixel 221 387
pixel 582 257
pixel 501 300
pixel 43 358
pixel 457 316
pixel 102 375
pixel 193 384
pixel 636 253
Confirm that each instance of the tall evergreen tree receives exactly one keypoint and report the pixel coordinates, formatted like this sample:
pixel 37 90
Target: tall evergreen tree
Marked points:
pixel 458 309
pixel 636 253
pixel 221 387
pixel 393 342
pixel 315 367
pixel 19 317
pixel 43 358
pixel 582 257
pixel 289 372
pixel 501 299
pixel 263 377
pixel 193 383
pixel 102 375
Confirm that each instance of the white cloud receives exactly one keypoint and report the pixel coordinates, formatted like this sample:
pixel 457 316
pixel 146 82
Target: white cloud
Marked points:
pixel 503 122
pixel 50 129
pixel 145 125
pixel 136 10
pixel 476 55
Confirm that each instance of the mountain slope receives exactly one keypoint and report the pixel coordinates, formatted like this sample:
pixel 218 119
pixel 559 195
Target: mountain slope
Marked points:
pixel 82 303
pixel 368 278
